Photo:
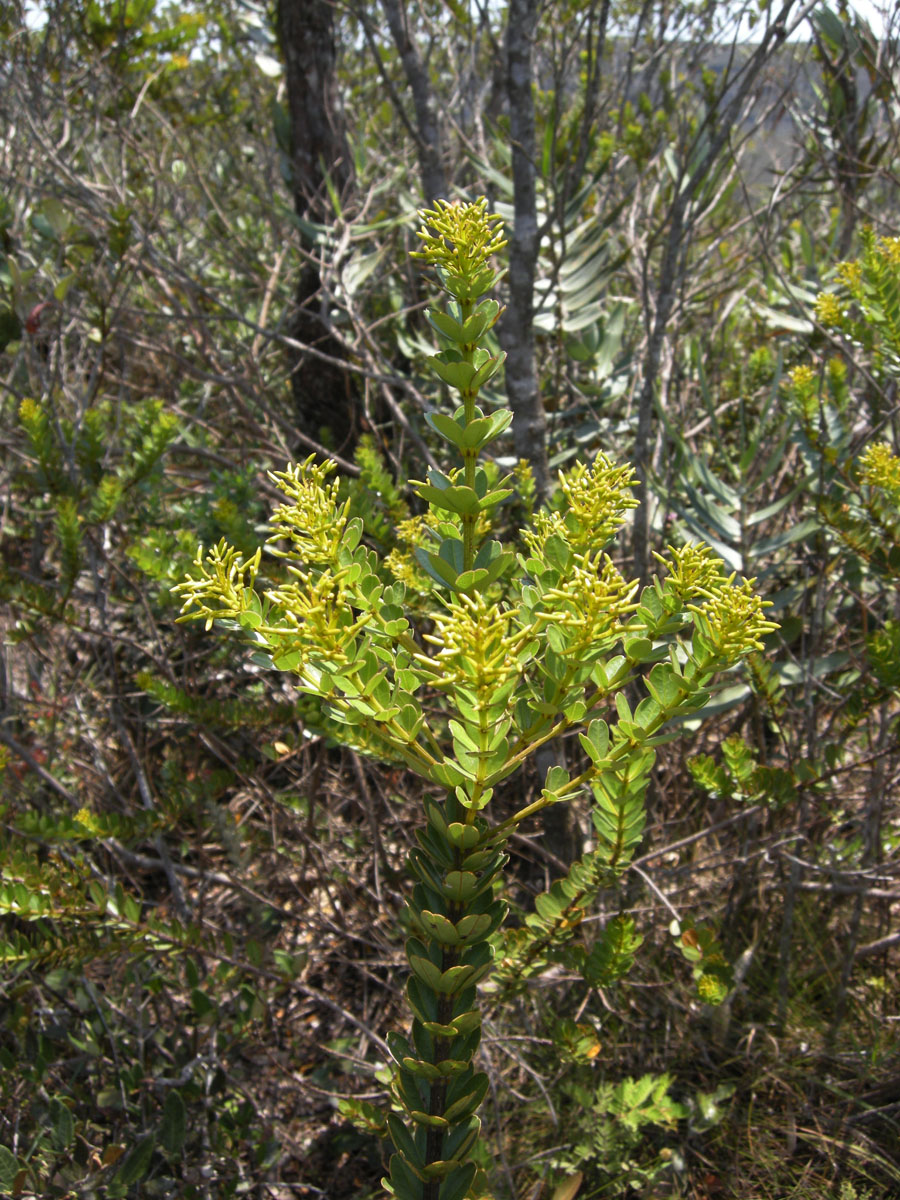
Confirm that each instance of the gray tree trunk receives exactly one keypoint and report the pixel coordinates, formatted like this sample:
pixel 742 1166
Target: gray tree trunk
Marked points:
pixel 318 143
pixel 427 130
pixel 517 328
pixel 324 391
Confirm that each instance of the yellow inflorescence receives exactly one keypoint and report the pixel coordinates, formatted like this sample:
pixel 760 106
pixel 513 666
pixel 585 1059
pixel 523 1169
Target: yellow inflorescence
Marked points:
pixel 594 602
pixel 695 572
pixel 850 275
pixel 221 590
pixel 88 820
pixel 478 643
pixel 828 309
pixel 733 621
pixel 598 497
pixel 879 467
pixel 730 615
pixel 802 377
pixel 320 608
pixel 459 239
pixel 313 521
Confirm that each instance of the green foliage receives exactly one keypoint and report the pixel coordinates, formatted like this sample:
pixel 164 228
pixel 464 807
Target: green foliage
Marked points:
pixel 857 499
pixel 375 497
pixel 233 714
pixel 608 1131
pixel 518 657
pixel 147 276
pixel 72 474
pixel 713 974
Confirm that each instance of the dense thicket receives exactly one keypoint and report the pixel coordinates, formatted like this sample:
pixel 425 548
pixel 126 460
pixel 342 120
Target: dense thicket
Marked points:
pixel 201 953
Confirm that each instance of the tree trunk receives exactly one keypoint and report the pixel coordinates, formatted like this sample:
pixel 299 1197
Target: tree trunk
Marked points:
pixel 427 128
pixel 323 390
pixel 517 327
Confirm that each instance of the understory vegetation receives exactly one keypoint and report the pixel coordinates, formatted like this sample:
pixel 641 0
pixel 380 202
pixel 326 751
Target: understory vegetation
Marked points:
pixel 207 919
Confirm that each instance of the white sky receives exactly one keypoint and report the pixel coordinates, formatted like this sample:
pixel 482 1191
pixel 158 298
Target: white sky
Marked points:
pixel 874 11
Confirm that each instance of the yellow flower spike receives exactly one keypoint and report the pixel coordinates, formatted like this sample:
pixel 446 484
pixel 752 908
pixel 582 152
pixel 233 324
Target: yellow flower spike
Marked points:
pixel 544 525
pixel 828 309
pixel 695 572
pixel 225 578
pixel 313 522
pixel 595 602
pixel 733 620
pixel 598 497
pixel 837 371
pixel 404 568
pixel 411 533
pixel 850 275
pixel 88 820
pixel 459 239
pixel 802 378
pixel 319 608
pixel 879 467
pixel 478 643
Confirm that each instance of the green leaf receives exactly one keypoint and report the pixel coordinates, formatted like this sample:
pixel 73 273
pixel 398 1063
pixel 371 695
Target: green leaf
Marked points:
pixel 473 1094
pixel 450 430
pixel 404 1141
pixel 482 430
pixel 459 1141
pixel 638 648
pixel 353 532
pixel 62 288
pixel 458 1183
pixel 665 685
pixel 461 500
pixel 549 906
pixel 456 374
pixel 424 969
pixel 366 1117
pixel 288 660
pixel 62 1125
pixel 557 777
pixel 497 565
pixel 404 1183
pixel 438 926
pixel 55 216
pixel 9 1168
pixel 596 742
pixel 173 1131
pixel 422 1000
pixel 136 1163
pixel 453 552
pixel 460 886
pixel 474 926
pixel 446 325
pixel 435 566
pixel 454 979
pixel 557 553
pixel 647 713
pixel 482 319
pixel 465 837
pixel 486 371
pixel 447 773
